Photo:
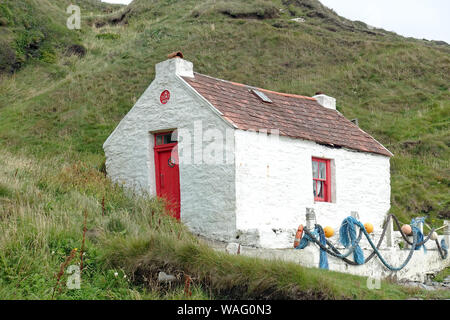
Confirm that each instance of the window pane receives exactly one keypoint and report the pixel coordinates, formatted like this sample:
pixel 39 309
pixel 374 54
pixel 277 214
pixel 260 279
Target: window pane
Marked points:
pixel 314 188
pixel 315 169
pixel 167 138
pixel 159 140
pixel 320 189
pixel 322 170
pixel 164 139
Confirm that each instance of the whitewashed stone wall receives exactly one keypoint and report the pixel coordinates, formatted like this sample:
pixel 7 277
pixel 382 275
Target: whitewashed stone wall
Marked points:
pixel 258 194
pixel 274 187
pixel 207 190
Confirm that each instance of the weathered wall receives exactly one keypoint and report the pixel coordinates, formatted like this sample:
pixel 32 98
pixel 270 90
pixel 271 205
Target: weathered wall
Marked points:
pixel 206 187
pixel 274 186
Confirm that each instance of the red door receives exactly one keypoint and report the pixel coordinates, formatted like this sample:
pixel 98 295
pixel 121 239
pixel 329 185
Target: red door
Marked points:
pixel 167 172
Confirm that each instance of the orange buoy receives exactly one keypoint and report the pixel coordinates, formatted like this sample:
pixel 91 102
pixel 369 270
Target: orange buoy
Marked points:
pixel 298 236
pixel 406 229
pixel 329 231
pixel 369 227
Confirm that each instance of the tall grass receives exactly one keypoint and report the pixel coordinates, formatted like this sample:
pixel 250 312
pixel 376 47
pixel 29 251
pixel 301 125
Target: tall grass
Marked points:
pixel 42 222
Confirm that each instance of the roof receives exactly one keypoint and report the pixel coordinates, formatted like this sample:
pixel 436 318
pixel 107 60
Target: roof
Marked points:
pixel 293 115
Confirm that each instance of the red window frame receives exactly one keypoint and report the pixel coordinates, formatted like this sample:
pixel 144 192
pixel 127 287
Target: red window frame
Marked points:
pixel 326 182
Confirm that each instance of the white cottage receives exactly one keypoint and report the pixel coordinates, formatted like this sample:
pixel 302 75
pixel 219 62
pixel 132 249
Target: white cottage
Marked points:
pixel 241 164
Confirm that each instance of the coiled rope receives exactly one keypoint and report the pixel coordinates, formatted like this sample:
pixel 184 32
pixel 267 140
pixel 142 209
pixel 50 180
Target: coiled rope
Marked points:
pixel 415 226
pixel 348 238
pixel 312 236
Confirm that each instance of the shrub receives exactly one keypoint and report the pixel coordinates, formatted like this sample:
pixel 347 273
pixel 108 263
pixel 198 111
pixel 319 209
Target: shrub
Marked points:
pixel 28 42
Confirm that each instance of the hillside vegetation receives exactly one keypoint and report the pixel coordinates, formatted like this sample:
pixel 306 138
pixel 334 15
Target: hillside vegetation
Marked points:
pixel 62 92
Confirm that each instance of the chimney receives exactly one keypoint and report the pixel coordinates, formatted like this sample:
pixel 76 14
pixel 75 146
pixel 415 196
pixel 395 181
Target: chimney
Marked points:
pixel 175 65
pixel 325 101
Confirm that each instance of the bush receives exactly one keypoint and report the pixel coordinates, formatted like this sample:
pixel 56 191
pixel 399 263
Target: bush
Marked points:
pixel 28 42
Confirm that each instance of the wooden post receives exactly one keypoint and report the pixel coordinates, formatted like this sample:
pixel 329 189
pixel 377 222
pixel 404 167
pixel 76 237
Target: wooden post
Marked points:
pixel 310 218
pixel 390 234
pixel 447 232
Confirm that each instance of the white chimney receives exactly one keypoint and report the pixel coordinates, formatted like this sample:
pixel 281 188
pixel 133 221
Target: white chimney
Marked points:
pixel 175 65
pixel 326 101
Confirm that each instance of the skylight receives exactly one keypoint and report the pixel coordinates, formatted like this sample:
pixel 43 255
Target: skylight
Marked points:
pixel 261 95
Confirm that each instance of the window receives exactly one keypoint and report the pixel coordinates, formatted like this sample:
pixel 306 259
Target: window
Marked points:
pixel 261 95
pixel 163 138
pixel 321 179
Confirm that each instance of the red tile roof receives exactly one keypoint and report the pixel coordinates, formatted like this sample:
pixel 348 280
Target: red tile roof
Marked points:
pixel 293 115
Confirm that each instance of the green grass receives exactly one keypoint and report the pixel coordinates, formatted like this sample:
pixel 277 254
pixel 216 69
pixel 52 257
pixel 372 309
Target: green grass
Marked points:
pixel 108 36
pixel 42 222
pixel 58 109
pixel 442 275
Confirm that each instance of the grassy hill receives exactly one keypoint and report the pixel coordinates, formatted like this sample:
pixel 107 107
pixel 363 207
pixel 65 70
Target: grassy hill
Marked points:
pixel 62 92
pixel 36 30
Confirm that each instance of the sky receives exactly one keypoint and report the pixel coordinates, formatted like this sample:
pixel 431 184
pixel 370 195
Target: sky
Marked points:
pixel 422 19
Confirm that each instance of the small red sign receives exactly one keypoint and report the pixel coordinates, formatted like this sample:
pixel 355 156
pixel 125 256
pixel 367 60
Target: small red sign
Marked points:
pixel 165 96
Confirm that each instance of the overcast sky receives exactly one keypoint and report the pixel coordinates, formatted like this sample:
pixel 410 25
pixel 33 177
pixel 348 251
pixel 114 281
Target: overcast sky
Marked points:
pixel 429 19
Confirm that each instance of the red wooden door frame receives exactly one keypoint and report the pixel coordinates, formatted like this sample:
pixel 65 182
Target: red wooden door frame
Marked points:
pixel 157 150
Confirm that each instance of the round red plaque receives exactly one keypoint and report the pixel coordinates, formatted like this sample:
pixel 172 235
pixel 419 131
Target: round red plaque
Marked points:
pixel 165 96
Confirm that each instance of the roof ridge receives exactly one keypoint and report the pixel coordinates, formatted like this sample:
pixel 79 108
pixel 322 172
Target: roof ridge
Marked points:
pixel 292 95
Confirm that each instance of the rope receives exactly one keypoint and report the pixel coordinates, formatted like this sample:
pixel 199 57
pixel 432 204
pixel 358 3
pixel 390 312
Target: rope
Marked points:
pixel 404 236
pixel 347 234
pixel 383 233
pixel 337 254
pixel 312 236
pixel 442 248
pixel 384 261
pixel 323 262
pixel 415 222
